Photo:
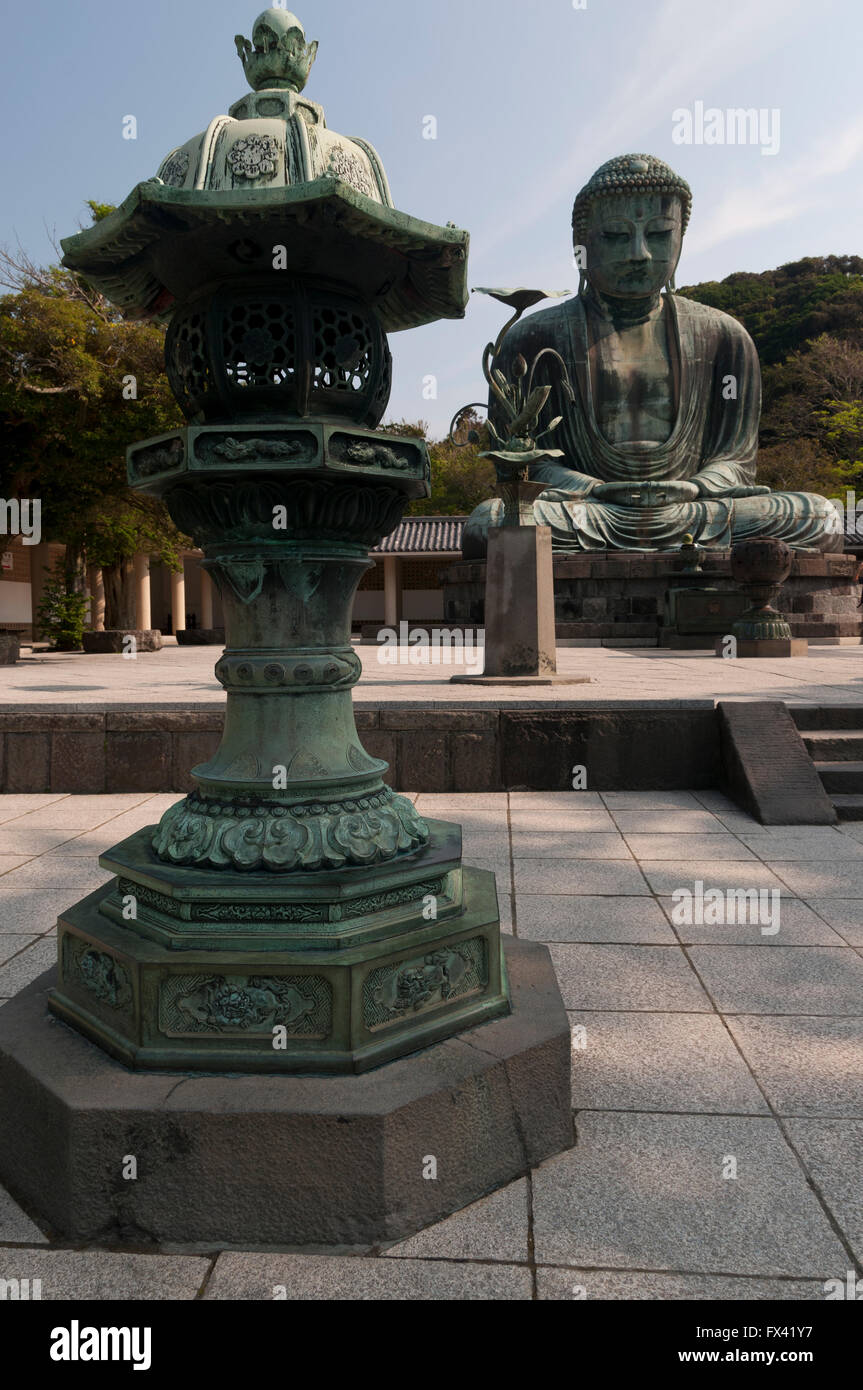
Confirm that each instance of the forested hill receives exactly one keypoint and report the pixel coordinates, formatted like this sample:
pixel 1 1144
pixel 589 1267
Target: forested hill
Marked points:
pixel 785 308
pixel 806 319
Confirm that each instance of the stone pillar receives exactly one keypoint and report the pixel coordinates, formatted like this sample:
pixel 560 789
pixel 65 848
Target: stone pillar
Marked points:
pixel 96 586
pixel 519 610
pixel 519 603
pixel 142 592
pixel 206 618
pixel 392 590
pixel 178 599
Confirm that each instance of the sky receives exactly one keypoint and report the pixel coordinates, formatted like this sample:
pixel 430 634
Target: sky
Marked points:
pixel 528 98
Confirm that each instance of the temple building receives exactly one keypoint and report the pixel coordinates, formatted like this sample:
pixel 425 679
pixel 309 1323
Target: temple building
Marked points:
pixel 404 583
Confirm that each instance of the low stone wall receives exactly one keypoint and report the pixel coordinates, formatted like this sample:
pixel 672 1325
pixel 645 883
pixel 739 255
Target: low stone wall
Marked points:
pixel 105 752
pixel 617 597
pixel 477 750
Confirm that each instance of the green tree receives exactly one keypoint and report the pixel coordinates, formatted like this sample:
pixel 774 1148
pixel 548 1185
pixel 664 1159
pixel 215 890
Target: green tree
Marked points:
pixel 460 479
pixel 806 320
pixel 61 613
pixel 786 308
pixel 78 384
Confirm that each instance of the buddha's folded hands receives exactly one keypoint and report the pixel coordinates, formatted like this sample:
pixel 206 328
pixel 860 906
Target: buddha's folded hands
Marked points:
pixel 756 490
pixel 646 494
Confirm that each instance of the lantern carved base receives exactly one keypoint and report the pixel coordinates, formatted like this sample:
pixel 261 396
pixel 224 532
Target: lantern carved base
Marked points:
pixel 322 972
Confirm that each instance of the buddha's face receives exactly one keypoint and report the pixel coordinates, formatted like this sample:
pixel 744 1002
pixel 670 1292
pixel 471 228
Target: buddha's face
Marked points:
pixel 633 243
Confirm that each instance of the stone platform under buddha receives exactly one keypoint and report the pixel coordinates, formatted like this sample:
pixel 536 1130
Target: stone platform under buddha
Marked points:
pixel 618 598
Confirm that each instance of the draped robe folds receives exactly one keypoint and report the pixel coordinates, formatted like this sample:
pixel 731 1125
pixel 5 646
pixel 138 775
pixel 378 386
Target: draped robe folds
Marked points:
pixel 713 443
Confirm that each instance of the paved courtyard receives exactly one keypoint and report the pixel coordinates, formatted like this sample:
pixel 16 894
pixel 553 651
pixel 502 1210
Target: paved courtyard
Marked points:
pixel 717 1069
pixel 181 678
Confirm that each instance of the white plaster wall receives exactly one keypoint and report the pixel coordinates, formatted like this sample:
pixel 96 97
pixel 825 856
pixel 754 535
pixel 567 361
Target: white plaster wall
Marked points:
pixel 14 602
pixel 416 603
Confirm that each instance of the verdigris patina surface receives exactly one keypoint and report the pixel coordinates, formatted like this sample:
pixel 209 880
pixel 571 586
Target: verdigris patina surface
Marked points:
pixel 661 437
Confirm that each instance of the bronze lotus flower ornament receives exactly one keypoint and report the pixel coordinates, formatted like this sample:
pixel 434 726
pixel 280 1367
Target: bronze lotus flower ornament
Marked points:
pixel 520 405
pixel 277 54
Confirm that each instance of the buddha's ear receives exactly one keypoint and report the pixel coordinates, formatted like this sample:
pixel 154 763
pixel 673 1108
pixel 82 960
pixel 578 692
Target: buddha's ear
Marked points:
pixel 312 51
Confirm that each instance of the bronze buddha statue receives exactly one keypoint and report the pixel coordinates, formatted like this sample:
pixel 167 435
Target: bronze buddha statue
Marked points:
pixel 661 436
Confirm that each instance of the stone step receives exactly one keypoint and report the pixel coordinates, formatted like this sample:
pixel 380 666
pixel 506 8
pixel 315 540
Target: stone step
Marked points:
pixel 841 777
pixel 812 717
pixel 835 745
pixel 848 806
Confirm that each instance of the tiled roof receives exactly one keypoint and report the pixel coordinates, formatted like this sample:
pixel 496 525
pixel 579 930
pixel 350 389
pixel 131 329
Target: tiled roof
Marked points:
pixel 424 535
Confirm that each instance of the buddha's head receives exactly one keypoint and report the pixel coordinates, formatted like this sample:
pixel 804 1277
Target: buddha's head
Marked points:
pixel 630 219
pixel 278 55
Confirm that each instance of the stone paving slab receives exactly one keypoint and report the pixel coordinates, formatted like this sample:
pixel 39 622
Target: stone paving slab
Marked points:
pixel 31 911
pixel 806 1066
pixel 665 876
pixel 799 925
pixel 550 917
pixel 590 876
pixel 647 1191
pixel 79 876
pixel 845 916
pixel 819 879
pixel 569 844
pixel 670 821
pixel 12 806
pixel 632 1285
pixel 100 1274
pixel 27 841
pixel 818 836
pixel 683 848
pixel 660 1061
pixel 9 862
pixel 628 977
pixel 665 1088
pixel 81 812
pixel 355 1279
pixel 854 829
pixel 785 980
pixel 10 945
pixel 22 969
pixel 494 1229
pixel 561 819
pixel 834 845
pixel 833 1152
pixel 738 823
pixel 653 801
pixel 547 803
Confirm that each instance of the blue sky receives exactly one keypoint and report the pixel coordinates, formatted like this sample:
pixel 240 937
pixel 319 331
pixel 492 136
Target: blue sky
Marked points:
pixel 529 99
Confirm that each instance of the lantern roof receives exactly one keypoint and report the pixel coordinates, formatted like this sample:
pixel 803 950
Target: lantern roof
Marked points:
pixel 270 188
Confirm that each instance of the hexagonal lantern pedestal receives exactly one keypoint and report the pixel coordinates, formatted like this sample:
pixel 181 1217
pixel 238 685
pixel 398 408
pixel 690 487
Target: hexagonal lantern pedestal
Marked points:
pixel 293 919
